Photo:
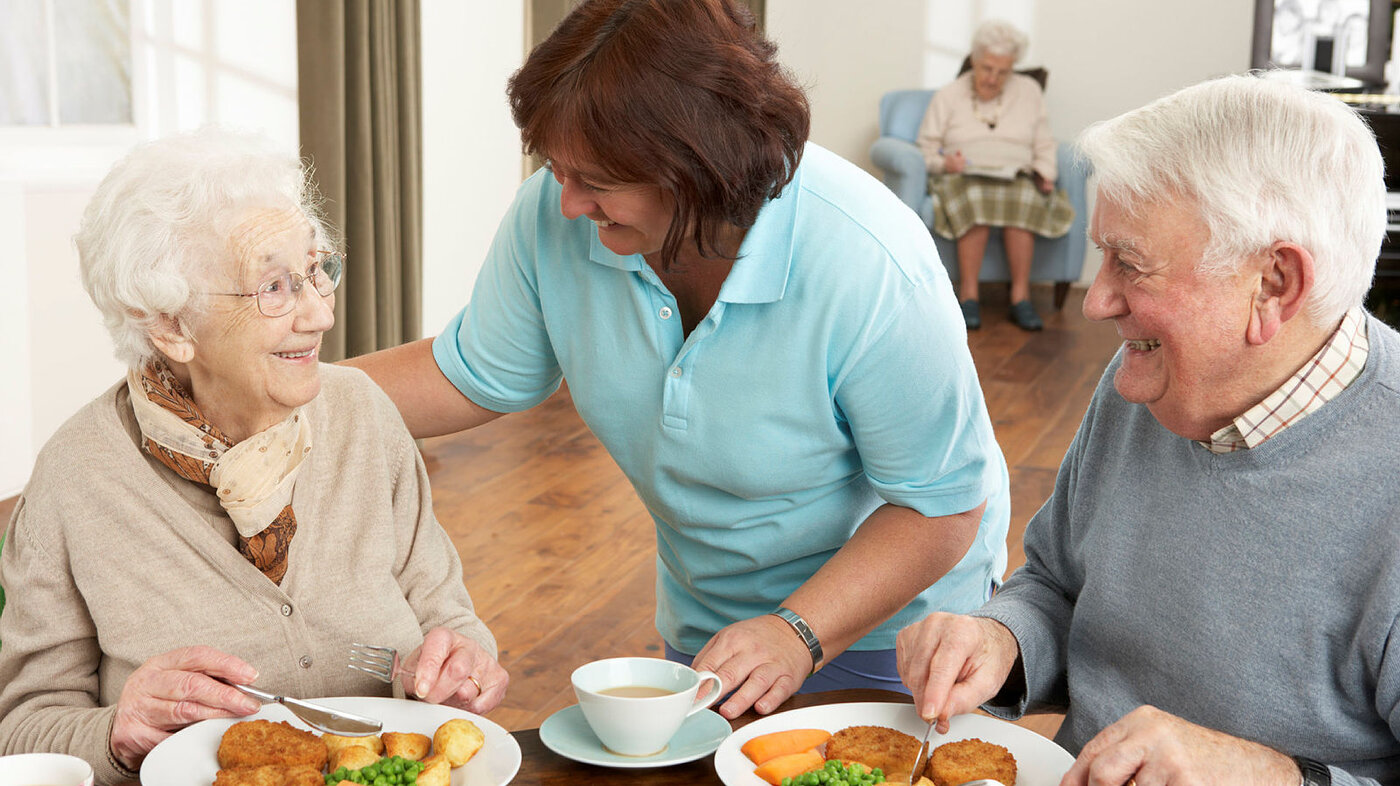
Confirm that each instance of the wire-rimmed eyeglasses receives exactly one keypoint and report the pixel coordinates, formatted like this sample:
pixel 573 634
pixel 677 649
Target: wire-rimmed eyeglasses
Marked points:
pixel 277 297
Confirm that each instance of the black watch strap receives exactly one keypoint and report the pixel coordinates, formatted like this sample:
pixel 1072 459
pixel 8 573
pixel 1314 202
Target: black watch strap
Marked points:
pixel 1315 773
pixel 814 647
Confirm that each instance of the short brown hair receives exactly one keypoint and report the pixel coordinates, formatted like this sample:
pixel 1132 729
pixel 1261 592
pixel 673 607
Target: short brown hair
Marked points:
pixel 683 94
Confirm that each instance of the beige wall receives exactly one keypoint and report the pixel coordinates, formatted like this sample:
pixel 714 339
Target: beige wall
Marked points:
pixel 471 151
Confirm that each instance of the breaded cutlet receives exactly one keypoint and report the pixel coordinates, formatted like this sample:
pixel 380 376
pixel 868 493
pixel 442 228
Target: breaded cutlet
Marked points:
pixel 271 775
pixel 260 742
pixel 954 763
pixel 876 747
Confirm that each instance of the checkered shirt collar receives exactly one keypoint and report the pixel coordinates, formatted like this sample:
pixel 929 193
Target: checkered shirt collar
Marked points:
pixel 1329 372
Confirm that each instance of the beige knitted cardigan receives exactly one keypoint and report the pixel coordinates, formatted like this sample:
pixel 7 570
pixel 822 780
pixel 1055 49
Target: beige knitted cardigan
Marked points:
pixel 1021 137
pixel 111 558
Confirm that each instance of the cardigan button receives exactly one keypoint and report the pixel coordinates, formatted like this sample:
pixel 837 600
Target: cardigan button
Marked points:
pixel 286 610
pixel 305 661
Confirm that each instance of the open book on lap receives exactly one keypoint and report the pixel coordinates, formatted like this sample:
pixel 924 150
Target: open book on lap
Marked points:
pixel 1005 172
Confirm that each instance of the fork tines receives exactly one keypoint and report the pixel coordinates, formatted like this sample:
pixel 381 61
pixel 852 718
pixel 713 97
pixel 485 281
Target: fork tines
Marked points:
pixel 376 661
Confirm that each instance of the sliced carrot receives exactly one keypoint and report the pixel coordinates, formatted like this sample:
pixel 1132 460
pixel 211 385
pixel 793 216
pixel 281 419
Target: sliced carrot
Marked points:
pixel 780 743
pixel 789 765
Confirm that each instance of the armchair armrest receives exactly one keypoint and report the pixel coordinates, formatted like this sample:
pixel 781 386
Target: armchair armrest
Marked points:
pixel 903 166
pixel 1073 173
pixel 1068 261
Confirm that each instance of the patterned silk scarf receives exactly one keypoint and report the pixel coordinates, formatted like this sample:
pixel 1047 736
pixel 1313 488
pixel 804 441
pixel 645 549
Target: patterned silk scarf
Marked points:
pixel 254 478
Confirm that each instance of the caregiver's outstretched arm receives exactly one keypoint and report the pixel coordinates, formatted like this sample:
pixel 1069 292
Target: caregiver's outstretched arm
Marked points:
pixel 430 405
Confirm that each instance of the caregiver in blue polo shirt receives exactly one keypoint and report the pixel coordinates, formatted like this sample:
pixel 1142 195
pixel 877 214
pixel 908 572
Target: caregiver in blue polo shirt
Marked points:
pixel 760 334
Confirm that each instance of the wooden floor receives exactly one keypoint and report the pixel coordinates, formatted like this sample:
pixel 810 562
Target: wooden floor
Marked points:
pixel 559 553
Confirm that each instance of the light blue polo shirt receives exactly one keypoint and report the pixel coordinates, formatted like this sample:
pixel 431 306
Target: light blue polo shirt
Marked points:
pixel 831 376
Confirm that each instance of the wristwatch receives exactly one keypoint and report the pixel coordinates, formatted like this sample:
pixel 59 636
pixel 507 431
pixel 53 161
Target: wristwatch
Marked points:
pixel 804 631
pixel 1315 773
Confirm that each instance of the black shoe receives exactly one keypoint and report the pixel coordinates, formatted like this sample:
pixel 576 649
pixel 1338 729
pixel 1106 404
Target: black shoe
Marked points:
pixel 972 314
pixel 1024 316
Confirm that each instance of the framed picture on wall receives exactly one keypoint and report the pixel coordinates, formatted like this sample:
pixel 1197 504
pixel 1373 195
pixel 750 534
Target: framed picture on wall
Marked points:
pixel 1351 36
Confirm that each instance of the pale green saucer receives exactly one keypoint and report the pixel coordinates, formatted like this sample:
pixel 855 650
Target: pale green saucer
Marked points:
pixel 567 734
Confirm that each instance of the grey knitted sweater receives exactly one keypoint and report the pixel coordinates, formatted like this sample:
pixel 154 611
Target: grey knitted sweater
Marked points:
pixel 1253 592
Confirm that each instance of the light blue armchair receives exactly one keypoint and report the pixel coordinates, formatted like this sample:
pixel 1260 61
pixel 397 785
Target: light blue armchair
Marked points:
pixel 1056 259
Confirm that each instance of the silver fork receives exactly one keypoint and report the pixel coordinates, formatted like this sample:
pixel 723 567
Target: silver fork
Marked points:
pixel 382 663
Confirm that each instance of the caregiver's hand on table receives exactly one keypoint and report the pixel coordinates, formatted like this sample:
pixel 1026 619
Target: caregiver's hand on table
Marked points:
pixel 762 657
pixel 449 668
pixel 953 663
pixel 1152 746
pixel 172 690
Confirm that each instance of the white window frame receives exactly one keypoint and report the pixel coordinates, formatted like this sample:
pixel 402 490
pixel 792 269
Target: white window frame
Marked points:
pixel 66 153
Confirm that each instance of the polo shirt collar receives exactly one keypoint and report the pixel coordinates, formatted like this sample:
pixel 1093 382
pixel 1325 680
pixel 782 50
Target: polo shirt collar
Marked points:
pixel 760 274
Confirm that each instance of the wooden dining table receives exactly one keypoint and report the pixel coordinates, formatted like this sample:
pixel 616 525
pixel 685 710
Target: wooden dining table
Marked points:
pixel 541 766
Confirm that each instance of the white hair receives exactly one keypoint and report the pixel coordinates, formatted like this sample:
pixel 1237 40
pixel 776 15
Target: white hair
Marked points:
pixel 1264 161
pixel 165 211
pixel 999 39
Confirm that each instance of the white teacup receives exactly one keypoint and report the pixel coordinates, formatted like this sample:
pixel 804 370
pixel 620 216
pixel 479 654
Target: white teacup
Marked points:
pixel 44 769
pixel 636 705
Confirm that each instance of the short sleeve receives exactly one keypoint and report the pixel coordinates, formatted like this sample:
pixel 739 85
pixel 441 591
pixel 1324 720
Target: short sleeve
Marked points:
pixel 917 414
pixel 497 350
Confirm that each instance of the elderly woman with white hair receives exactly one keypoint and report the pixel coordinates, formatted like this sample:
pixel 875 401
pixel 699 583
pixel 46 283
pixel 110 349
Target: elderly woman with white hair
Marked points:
pixel 232 510
pixel 991 161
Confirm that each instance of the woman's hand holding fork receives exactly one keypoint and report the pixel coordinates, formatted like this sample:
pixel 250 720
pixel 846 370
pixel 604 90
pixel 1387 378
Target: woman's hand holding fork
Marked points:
pixel 449 668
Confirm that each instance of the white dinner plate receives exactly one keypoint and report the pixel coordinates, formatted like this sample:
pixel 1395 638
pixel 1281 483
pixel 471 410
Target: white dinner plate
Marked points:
pixel 191 754
pixel 1039 761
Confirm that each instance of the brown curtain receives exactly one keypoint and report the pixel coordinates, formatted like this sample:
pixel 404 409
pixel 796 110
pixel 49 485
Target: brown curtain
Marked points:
pixel 358 65
pixel 756 6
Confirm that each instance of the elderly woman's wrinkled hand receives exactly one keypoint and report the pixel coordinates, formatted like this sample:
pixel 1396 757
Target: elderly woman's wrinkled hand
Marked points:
pixel 954 162
pixel 760 659
pixel 451 669
pixel 953 663
pixel 1044 185
pixel 1151 746
pixel 173 690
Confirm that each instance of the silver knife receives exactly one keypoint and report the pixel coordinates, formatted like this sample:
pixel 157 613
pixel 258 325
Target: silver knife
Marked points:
pixel 317 716
pixel 921 760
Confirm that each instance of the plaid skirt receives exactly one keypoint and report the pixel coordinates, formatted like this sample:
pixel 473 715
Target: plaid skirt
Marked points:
pixel 962 202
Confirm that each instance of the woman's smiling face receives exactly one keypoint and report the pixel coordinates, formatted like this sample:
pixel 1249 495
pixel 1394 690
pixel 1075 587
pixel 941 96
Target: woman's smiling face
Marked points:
pixel 631 218
pixel 249 371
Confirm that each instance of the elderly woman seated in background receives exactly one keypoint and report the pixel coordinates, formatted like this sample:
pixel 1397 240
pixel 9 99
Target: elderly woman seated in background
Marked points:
pixel 232 509
pixel 991 161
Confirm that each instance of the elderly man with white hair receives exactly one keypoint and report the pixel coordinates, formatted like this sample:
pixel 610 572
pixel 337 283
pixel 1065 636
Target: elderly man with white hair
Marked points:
pixel 1211 591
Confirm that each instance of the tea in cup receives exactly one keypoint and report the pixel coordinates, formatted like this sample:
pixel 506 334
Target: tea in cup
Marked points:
pixel 636 705
pixel 44 769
